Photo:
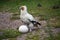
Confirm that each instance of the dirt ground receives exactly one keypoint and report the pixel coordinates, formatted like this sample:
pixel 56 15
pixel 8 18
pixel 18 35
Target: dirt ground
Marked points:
pixel 6 22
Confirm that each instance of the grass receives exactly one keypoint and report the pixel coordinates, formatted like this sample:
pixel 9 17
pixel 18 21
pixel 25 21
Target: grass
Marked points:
pixel 9 33
pixel 57 37
pixel 45 12
pixel 35 36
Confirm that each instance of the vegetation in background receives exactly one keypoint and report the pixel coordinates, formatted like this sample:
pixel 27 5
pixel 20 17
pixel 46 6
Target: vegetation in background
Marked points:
pixel 45 12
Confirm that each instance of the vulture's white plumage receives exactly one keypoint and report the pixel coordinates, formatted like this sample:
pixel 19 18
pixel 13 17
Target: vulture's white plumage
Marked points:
pixel 26 17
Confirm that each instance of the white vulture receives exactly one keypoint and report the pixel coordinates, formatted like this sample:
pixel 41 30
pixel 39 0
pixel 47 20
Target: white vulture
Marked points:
pixel 26 17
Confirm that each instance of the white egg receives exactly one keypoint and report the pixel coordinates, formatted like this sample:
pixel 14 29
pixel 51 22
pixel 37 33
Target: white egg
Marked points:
pixel 23 29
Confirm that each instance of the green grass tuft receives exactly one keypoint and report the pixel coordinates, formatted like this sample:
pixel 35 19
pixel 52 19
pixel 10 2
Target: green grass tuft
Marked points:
pixel 9 33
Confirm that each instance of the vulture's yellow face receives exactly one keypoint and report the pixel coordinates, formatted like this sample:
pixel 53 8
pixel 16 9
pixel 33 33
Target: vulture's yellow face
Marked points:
pixel 23 8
